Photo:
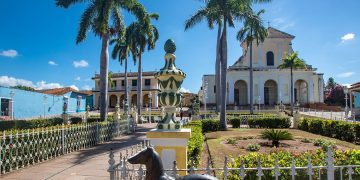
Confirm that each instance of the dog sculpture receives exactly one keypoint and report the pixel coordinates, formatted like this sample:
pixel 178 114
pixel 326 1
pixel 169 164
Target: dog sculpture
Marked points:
pixel 154 167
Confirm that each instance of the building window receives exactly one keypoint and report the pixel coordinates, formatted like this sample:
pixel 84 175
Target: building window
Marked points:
pixel 134 82
pixel 113 84
pixel 122 82
pixel 147 82
pixel 214 89
pixel 270 58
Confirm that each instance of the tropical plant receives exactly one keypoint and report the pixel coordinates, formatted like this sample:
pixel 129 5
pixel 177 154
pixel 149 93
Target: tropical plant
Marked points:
pixel 292 61
pixel 25 88
pixel 253 147
pixel 331 84
pixel 212 17
pixel 121 52
pixel 104 19
pixel 141 35
pixel 276 136
pixel 253 30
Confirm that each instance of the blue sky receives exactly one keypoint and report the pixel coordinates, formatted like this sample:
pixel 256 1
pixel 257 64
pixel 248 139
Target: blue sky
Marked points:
pixel 37 41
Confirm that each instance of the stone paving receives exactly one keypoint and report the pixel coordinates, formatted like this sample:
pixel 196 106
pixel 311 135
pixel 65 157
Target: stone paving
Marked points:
pixel 91 163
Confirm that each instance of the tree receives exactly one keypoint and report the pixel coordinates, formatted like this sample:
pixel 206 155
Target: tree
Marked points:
pixel 104 19
pixel 331 84
pixel 141 35
pixel 275 136
pixel 253 30
pixel 336 96
pixel 292 61
pixel 210 15
pixel 121 52
pixel 25 88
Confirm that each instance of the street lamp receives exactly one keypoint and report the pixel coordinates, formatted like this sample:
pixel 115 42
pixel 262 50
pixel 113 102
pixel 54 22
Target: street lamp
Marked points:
pixel 346 91
pixel 44 98
pixel 205 96
pixel 11 113
pixel 150 96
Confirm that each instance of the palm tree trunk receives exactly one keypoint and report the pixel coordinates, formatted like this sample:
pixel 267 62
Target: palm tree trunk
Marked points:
pixel 292 90
pixel 126 83
pixel 139 87
pixel 251 81
pixel 223 78
pixel 217 70
pixel 104 60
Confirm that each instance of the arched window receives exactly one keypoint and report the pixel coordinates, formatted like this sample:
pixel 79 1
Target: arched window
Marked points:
pixel 270 58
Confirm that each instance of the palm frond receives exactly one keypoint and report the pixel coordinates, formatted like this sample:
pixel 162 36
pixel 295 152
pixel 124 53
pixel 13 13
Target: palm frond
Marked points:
pixel 67 3
pixel 85 23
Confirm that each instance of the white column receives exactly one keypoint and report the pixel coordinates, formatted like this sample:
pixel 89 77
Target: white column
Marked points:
pixel 261 89
pixel 156 100
pixel 231 91
pixel 311 89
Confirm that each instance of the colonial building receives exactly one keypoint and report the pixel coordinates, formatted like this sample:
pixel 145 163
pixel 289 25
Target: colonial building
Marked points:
pixel 271 84
pixel 116 91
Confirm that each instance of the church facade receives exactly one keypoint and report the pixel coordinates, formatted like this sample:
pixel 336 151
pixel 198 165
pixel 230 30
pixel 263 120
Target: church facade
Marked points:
pixel 271 85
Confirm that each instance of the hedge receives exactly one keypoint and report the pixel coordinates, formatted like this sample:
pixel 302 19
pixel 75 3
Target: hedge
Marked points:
pixel 195 145
pixel 29 124
pixel 318 158
pixel 269 122
pixel 210 125
pixel 342 130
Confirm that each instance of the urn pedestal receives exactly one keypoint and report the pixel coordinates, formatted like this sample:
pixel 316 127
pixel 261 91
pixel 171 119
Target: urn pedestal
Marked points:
pixel 169 139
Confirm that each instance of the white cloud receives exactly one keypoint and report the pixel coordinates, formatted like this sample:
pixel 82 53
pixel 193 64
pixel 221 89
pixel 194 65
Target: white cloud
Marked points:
pixel 9 53
pixel 77 78
pixel 43 85
pixel 282 23
pixel 10 81
pixel 80 64
pixel 347 85
pixel 346 74
pixel 86 87
pixel 74 87
pixel 183 90
pixel 52 63
pixel 348 37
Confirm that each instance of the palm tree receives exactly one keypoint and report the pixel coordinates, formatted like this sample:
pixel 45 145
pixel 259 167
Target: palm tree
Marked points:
pixel 141 35
pixel 121 52
pixel 103 18
pixel 210 15
pixel 292 61
pixel 253 30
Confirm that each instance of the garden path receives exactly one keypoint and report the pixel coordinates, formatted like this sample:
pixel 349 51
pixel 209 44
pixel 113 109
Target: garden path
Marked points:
pixel 90 163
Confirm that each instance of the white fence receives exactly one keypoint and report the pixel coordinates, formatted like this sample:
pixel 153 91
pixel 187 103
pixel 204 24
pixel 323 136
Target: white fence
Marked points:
pixel 20 149
pixel 123 170
pixel 325 114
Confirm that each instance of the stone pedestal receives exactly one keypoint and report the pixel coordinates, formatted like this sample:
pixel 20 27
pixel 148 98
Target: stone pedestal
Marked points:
pixel 65 117
pixel 171 146
pixel 116 115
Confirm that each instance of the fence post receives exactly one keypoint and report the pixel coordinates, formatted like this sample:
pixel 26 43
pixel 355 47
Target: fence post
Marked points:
pixel 276 169
pixel 259 169
pixel 309 169
pixel 293 169
pixel 97 133
pixel 111 161
pixel 225 168
pixel 2 140
pixel 63 138
pixel 330 114
pixel 330 164
pixel 175 170
pixel 242 170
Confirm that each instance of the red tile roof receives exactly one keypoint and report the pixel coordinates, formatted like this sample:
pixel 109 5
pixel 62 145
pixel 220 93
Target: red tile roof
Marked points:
pixel 57 91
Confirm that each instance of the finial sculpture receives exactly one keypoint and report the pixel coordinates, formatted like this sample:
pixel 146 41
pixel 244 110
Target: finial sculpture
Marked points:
pixel 170 78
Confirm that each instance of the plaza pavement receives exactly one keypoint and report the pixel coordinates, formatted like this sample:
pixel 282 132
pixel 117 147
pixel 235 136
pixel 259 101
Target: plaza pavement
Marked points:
pixel 90 163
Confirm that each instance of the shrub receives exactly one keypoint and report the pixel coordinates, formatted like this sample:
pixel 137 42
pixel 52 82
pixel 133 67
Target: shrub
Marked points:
pixel 75 120
pixel 269 122
pixel 341 130
pixel 195 145
pixel 318 158
pixel 231 141
pixel 276 136
pixel 306 140
pixel 324 144
pixel 210 125
pixel 235 122
pixel 29 124
pixel 253 147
